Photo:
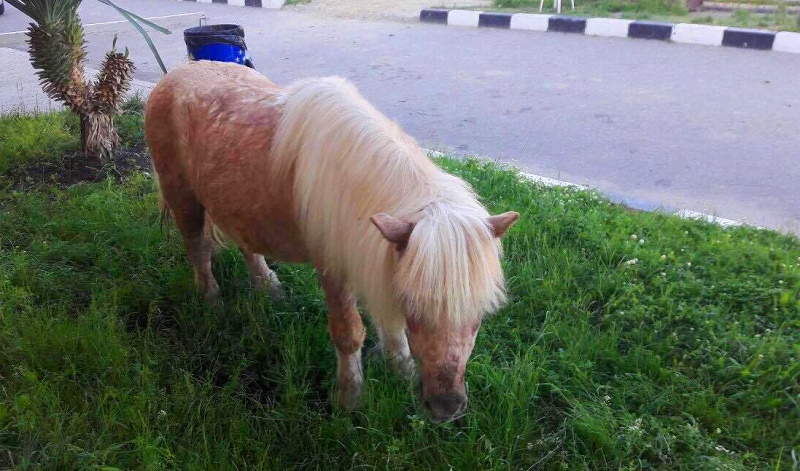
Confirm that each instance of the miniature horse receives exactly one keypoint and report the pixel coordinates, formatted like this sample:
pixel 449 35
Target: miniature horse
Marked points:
pixel 312 173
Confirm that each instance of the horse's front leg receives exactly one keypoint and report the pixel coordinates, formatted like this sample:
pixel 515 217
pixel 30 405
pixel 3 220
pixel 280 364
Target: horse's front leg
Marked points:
pixel 347 333
pixel 394 346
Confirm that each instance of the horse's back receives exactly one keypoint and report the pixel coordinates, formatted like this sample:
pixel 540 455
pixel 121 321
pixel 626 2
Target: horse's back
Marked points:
pixel 210 128
pixel 206 80
pixel 206 119
pixel 204 93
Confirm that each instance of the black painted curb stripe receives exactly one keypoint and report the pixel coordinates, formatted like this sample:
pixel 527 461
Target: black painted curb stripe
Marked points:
pixel 566 24
pixel 433 15
pixel 748 38
pixel 495 20
pixel 650 30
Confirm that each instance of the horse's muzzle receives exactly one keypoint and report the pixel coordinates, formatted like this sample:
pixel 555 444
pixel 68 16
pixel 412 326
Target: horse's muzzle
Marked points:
pixel 446 407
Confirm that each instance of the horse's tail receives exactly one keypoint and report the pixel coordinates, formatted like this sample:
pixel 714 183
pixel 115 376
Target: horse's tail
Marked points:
pixel 211 230
pixel 164 211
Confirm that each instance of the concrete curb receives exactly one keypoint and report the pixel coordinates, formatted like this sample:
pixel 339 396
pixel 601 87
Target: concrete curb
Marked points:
pixel 608 27
pixel 698 34
pixel 708 35
pixel 787 42
pixel 552 182
pixel 273 4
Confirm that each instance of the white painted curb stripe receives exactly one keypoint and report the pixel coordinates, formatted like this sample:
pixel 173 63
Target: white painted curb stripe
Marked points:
pixel 530 22
pixel 787 42
pixel 707 35
pixel 686 214
pixel 610 27
pixel 272 4
pixel 463 18
pixel 551 182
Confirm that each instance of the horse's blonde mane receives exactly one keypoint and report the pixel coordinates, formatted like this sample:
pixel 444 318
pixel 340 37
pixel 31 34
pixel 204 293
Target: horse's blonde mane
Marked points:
pixel 350 162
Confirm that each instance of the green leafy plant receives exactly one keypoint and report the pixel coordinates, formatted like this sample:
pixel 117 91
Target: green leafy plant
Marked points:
pixel 58 53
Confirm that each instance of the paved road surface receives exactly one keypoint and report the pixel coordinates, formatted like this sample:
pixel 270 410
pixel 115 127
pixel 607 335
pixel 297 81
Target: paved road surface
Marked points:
pixel 702 128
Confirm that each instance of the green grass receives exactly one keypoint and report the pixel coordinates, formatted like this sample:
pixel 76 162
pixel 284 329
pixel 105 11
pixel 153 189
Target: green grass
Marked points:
pixel 26 137
pixel 762 2
pixel 129 123
pixel 685 359
pixel 673 11
pixel 600 7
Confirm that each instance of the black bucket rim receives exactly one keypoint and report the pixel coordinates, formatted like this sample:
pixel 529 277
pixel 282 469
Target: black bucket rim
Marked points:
pixel 205 30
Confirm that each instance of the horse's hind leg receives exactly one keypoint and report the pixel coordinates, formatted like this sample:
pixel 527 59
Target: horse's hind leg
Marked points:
pixel 347 333
pixel 190 217
pixel 262 276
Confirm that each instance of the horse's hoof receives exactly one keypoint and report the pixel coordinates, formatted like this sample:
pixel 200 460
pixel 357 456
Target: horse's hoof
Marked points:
pixel 211 292
pixel 406 368
pixel 375 353
pixel 270 284
pixel 350 400
pixel 276 292
pixel 214 299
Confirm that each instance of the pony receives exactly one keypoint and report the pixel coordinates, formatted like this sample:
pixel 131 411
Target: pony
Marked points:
pixel 313 173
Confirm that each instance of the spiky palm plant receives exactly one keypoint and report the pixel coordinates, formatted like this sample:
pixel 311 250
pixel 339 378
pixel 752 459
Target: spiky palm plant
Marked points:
pixel 58 53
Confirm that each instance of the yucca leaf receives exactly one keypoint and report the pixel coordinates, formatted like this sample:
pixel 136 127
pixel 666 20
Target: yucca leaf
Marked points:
pixel 50 11
pixel 46 11
pixel 146 39
pixel 19 6
pixel 138 18
pixel 130 17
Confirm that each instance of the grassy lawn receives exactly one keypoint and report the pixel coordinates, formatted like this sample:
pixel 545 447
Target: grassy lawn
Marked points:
pixel 672 11
pixel 631 340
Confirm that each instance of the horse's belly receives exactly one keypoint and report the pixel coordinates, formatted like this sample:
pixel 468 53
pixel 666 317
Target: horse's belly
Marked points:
pixel 272 237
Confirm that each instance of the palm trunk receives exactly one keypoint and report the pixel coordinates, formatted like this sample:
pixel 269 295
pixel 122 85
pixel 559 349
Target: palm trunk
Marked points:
pixel 99 138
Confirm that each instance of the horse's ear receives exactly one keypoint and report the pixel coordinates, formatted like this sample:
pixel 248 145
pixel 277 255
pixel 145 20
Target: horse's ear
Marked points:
pixel 501 223
pixel 393 229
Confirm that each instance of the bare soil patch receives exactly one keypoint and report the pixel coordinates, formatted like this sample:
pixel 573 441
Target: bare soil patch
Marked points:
pixel 72 169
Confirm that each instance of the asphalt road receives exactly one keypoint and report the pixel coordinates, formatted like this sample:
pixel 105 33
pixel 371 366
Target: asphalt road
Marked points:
pixel 702 128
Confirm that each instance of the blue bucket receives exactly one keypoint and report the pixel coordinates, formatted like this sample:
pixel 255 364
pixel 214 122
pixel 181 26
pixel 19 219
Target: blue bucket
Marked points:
pixel 221 43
